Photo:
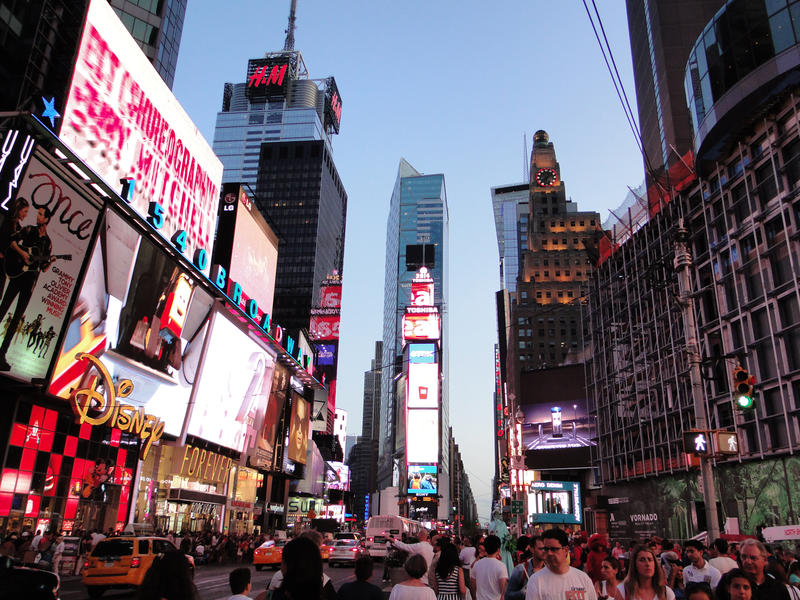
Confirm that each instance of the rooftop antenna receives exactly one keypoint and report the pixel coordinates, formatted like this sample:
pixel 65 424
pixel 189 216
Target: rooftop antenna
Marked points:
pixel 288 45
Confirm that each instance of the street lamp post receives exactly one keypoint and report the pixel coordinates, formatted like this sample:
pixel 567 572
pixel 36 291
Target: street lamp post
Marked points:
pixel 683 263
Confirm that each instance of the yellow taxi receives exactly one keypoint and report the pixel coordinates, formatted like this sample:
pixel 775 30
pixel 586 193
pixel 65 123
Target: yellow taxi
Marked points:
pixel 325 549
pixel 121 562
pixel 270 554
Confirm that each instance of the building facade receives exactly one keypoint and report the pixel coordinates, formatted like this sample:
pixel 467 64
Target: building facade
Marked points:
pixel 417 236
pixel 741 211
pixel 510 206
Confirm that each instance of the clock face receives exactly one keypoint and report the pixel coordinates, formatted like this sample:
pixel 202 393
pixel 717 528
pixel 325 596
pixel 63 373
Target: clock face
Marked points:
pixel 546 177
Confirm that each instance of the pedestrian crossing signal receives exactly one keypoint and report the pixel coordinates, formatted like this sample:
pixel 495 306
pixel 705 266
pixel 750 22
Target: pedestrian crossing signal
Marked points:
pixel 743 383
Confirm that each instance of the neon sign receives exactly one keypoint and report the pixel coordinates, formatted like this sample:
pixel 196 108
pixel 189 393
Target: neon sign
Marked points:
pixel 274 77
pixel 124 417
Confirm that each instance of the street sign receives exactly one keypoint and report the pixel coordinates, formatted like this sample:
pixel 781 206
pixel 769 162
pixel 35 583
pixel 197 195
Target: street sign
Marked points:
pixel 516 507
pixel 727 442
pixel 696 443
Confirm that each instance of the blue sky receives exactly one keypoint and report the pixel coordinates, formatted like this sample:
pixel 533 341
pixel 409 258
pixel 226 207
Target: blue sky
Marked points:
pixel 452 87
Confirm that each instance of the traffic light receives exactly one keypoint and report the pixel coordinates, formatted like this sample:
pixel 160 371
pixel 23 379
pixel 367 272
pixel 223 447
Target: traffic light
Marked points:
pixel 743 383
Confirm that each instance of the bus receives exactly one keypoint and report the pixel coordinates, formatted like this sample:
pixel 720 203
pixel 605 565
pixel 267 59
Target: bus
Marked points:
pixel 381 526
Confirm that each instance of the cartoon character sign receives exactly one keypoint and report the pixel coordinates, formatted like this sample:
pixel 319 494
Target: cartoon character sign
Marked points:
pixel 95 479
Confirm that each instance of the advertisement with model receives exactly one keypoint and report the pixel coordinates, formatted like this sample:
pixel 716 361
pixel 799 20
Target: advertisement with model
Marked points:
pixel 124 122
pixel 422 480
pixel 47 227
pixel 230 404
pixel 139 316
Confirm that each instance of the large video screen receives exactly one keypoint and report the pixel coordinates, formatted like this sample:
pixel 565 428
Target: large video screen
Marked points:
pixel 230 403
pixel 123 121
pixel 422 479
pixel 423 326
pixel 47 226
pixel 422 436
pixel 423 385
pixel 264 452
pixel 555 502
pixel 298 430
pixel 337 475
pixel 556 417
pixel 143 317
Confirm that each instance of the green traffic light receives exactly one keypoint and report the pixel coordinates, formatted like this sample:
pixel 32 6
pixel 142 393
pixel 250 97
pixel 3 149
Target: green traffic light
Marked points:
pixel 744 401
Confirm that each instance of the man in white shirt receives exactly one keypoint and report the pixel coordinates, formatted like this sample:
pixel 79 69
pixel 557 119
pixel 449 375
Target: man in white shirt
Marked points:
pixel 719 557
pixel 559 581
pixel 699 571
pixel 36 539
pixel 239 580
pixel 423 547
pixel 489 575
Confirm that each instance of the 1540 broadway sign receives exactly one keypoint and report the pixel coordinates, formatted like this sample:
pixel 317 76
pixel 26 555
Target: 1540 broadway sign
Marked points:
pixel 105 410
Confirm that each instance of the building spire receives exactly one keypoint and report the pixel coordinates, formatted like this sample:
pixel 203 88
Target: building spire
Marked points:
pixel 289 43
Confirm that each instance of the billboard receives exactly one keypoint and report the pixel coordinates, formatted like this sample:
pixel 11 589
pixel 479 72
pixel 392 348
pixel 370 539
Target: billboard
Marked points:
pixel 264 452
pixel 230 404
pixel 333 106
pixel 124 122
pixel 556 417
pixel 422 293
pixel 326 354
pixel 143 317
pixel 422 479
pixel 297 446
pixel 337 475
pixel 422 436
pixel 422 385
pixel 421 353
pixel 268 77
pixel 47 227
pixel 555 502
pixel 421 326
pixel 324 326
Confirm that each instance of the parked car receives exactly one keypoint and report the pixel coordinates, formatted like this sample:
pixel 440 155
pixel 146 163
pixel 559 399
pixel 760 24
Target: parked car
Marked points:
pixel 346 552
pixel 121 562
pixel 17 582
pixel 270 553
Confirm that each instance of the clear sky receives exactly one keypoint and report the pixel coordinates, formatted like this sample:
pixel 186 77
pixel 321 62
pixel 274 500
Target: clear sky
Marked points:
pixel 452 87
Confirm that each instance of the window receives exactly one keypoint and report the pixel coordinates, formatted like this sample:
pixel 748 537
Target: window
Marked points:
pixel 522 345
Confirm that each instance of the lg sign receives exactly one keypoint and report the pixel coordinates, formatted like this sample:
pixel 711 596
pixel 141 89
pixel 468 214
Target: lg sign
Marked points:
pixel 263 76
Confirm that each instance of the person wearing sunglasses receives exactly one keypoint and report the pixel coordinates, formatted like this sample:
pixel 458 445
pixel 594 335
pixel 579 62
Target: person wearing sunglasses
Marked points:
pixel 558 580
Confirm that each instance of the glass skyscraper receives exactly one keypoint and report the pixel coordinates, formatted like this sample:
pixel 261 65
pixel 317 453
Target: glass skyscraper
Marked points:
pixel 510 205
pixel 417 234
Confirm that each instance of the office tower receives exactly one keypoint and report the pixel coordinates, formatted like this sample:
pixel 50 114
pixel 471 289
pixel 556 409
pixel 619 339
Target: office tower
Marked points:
pixel 662 33
pixel 370 421
pixel 510 205
pixel 417 246
pixel 157 26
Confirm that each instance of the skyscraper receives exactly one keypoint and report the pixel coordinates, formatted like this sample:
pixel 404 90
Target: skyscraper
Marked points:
pixel 662 33
pixel 370 421
pixel 157 26
pixel 510 205
pixel 417 235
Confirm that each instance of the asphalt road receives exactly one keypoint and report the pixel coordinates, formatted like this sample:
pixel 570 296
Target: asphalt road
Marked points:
pixel 212 582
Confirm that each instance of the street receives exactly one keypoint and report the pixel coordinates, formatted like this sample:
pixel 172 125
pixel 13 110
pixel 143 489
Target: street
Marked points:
pixel 212 582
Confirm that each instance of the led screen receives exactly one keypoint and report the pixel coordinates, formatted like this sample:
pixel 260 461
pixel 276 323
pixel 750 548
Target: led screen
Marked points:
pixel 422 436
pixel 323 326
pixel 421 353
pixel 47 225
pixel 423 385
pixel 423 326
pixel 254 257
pixel 264 452
pixel 143 317
pixel 298 430
pixel 123 121
pixel 422 479
pixel 337 475
pixel 555 502
pixel 326 354
pixel 421 293
pixel 230 403
pixel 556 417
pixel 330 296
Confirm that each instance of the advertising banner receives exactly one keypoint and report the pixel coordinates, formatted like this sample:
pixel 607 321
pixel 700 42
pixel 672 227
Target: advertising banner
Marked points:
pixel 556 417
pixel 422 436
pixel 555 502
pixel 264 452
pixel 337 475
pixel 298 430
pixel 47 226
pixel 230 404
pixel 422 479
pixel 421 353
pixel 423 385
pixel 324 327
pixel 326 354
pixel 144 319
pixel 124 122
pixel 422 326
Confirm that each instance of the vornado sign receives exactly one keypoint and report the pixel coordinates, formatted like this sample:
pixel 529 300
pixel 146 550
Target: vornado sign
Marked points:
pixel 201 465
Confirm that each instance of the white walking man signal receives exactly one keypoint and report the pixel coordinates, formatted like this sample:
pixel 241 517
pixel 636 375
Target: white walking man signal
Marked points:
pixel 700 443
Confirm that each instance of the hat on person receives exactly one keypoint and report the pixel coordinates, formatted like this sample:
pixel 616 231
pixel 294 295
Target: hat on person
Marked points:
pixel 670 556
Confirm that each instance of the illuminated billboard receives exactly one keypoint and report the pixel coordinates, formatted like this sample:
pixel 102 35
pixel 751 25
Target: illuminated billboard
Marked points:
pixel 421 353
pixel 422 293
pixel 263 454
pixel 555 405
pixel 47 226
pixel 555 502
pixel 422 385
pixel 422 479
pixel 230 403
pixel 326 354
pixel 297 446
pixel 422 436
pixel 143 317
pixel 421 326
pixel 333 106
pixel 124 122
pixel 337 475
